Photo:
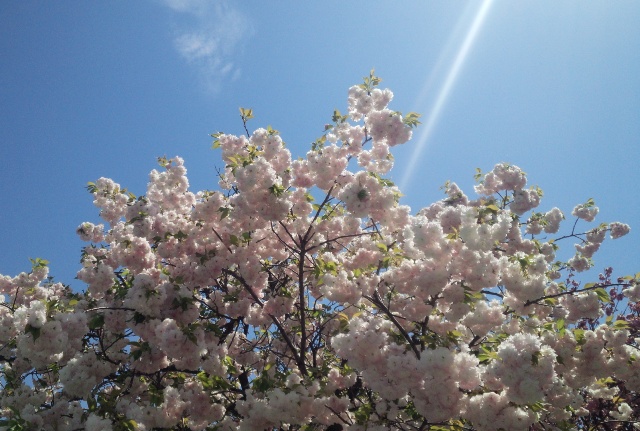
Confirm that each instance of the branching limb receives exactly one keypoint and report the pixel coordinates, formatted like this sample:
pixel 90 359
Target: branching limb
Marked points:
pixel 297 357
pixel 377 301
pixel 569 292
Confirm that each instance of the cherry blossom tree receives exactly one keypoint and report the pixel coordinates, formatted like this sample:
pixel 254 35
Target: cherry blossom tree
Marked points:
pixel 301 295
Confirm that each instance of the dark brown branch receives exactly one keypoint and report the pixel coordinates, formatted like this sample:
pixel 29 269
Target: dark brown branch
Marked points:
pixel 339 238
pixel 293 250
pixel 220 238
pixel 569 292
pixel 299 360
pixel 377 301
pixel 301 298
pixel 110 308
pixel 326 199
pixel 338 416
pixel 289 233
pixel 487 292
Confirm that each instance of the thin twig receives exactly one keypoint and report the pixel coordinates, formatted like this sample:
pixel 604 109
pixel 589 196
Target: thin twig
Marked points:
pixel 569 292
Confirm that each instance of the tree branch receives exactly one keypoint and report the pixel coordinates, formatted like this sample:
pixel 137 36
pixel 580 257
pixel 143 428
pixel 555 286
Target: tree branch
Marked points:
pixel 377 301
pixel 297 357
pixel 569 292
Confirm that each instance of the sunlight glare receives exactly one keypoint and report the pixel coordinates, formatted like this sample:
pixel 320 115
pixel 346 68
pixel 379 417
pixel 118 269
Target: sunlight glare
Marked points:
pixel 445 90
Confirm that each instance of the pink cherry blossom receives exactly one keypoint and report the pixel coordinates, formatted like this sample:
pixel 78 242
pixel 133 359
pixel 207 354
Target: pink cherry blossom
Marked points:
pixel 303 295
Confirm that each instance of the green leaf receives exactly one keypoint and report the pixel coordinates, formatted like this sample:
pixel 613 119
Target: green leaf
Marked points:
pixel 537 407
pixel 230 364
pixel 156 396
pixel 164 162
pixel 216 140
pixel 344 321
pixel 224 212
pixel 35 332
pixel 272 132
pixel 38 263
pixel 386 262
pixel 276 190
pixel 91 187
pixel 137 318
pixel 263 383
pixel 130 425
pixel 621 324
pixel 454 336
pixel 535 357
pixel 318 144
pixel 96 321
pixel 188 332
pixel 370 81
pixel 606 381
pixel 550 301
pixel 486 355
pixel 141 347
pixel 602 294
pixel 411 119
pixel 363 413
pixel 234 240
pixel 180 235
pixel 478 175
pixel 246 113
pixel 338 117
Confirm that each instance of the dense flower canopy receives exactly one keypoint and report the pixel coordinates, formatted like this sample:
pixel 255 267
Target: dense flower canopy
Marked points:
pixel 301 295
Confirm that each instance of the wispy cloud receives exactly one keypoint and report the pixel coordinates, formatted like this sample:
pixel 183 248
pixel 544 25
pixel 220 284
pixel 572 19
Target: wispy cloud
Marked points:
pixel 210 37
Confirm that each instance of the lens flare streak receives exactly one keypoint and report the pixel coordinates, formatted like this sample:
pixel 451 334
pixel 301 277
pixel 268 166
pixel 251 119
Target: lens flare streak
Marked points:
pixel 445 90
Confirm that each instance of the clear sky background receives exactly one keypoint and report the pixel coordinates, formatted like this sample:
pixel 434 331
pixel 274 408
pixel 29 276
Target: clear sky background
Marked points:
pixel 91 89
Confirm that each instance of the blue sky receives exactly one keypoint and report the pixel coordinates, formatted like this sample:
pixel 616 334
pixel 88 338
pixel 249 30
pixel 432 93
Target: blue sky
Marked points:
pixel 91 89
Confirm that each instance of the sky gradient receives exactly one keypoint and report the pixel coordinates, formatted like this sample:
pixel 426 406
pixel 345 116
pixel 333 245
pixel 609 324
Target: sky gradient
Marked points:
pixel 91 89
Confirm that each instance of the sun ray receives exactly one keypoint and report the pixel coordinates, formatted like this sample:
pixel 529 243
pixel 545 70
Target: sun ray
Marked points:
pixel 445 90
